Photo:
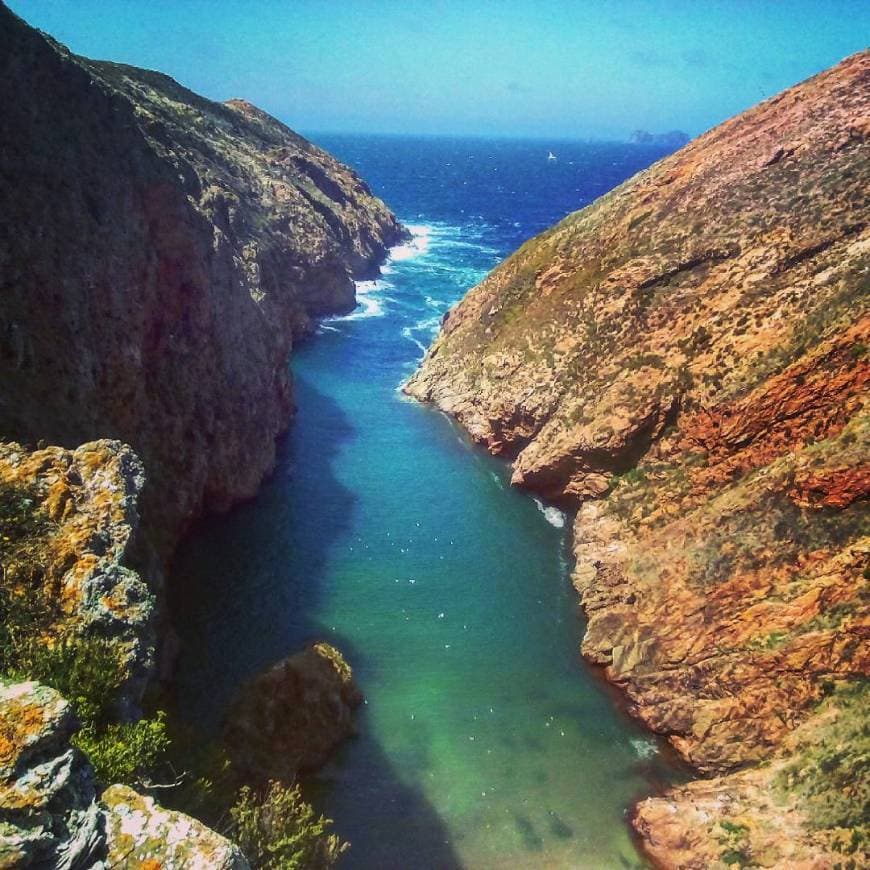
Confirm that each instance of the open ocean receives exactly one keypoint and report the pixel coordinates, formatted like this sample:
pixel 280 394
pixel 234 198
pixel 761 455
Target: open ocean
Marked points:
pixel 485 742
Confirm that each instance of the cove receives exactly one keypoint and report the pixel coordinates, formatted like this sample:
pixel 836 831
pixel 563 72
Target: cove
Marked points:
pixel 485 741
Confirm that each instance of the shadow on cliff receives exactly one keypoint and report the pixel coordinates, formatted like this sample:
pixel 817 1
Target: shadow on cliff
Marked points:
pixel 243 589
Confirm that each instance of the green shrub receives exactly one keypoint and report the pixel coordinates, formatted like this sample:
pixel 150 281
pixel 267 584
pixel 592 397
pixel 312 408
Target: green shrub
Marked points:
pixel 87 671
pixel 128 752
pixel 734 844
pixel 209 785
pixel 277 830
pixel 27 610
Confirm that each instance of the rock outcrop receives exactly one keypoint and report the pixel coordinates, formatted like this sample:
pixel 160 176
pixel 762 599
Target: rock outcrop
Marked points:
pixel 48 811
pixel 141 833
pixel 158 252
pixel 685 361
pixel 68 521
pixel 806 810
pixel 292 716
pixel 51 815
pixel 671 139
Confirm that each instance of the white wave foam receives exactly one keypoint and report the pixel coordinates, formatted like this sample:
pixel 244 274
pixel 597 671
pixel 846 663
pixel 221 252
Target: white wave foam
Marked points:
pixel 408 332
pixel 368 304
pixel 428 327
pixel 645 749
pixel 553 515
pixel 429 324
pixel 418 244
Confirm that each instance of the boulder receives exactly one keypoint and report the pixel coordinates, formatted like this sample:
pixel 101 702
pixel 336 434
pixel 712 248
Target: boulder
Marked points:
pixel 292 716
pixel 140 833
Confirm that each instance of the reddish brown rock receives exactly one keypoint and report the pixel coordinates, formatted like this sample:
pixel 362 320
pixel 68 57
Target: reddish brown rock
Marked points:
pixel 686 362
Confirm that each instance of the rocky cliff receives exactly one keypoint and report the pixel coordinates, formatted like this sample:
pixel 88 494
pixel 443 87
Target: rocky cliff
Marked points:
pixel 158 253
pixel 685 361
pixel 291 717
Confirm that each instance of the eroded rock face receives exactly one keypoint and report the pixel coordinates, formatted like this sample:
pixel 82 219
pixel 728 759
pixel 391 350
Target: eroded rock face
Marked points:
pixel 686 361
pixel 158 251
pixel 803 811
pixel 72 520
pixel 292 716
pixel 50 815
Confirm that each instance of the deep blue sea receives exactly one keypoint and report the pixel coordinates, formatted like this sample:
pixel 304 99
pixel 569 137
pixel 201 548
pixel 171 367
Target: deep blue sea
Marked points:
pixel 485 741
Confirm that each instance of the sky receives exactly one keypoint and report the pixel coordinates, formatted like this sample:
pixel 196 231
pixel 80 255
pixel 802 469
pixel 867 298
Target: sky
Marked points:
pixel 542 68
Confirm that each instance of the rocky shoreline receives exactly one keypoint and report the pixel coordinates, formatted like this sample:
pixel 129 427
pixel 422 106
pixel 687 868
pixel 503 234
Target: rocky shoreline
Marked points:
pixel 684 361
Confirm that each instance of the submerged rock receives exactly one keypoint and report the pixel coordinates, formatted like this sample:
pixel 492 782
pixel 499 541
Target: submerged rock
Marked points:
pixel 292 716
pixel 685 361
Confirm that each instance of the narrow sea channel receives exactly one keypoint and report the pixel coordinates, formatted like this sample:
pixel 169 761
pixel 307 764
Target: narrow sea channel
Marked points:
pixel 485 741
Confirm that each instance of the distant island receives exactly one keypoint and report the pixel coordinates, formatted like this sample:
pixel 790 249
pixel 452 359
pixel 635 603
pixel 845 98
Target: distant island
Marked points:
pixel 671 139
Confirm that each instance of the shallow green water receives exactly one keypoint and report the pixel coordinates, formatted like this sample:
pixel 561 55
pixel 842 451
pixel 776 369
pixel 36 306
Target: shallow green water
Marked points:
pixel 485 741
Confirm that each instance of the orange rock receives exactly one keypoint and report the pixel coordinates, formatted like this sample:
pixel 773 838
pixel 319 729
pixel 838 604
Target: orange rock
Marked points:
pixel 707 413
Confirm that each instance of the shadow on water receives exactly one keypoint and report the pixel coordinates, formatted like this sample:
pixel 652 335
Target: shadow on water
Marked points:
pixel 396 827
pixel 243 588
pixel 243 583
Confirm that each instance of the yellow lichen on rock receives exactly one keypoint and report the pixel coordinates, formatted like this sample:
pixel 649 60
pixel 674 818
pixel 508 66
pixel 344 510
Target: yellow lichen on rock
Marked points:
pixel 72 518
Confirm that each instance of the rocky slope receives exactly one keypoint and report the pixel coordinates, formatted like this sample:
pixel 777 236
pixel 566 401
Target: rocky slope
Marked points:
pixel 75 616
pixel 51 815
pixel 686 361
pixel 158 252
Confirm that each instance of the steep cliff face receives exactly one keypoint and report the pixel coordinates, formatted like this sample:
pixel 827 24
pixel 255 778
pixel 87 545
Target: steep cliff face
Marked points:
pixel 686 361
pixel 158 252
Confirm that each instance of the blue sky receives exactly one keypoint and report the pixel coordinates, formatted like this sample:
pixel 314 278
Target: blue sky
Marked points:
pixel 517 67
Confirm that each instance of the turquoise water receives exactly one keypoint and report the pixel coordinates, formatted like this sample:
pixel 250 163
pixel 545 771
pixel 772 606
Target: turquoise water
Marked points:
pixel 485 741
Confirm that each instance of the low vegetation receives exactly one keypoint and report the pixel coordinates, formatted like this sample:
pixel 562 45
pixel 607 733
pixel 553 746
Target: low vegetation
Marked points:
pixel 277 830
pixel 829 774
pixel 37 644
